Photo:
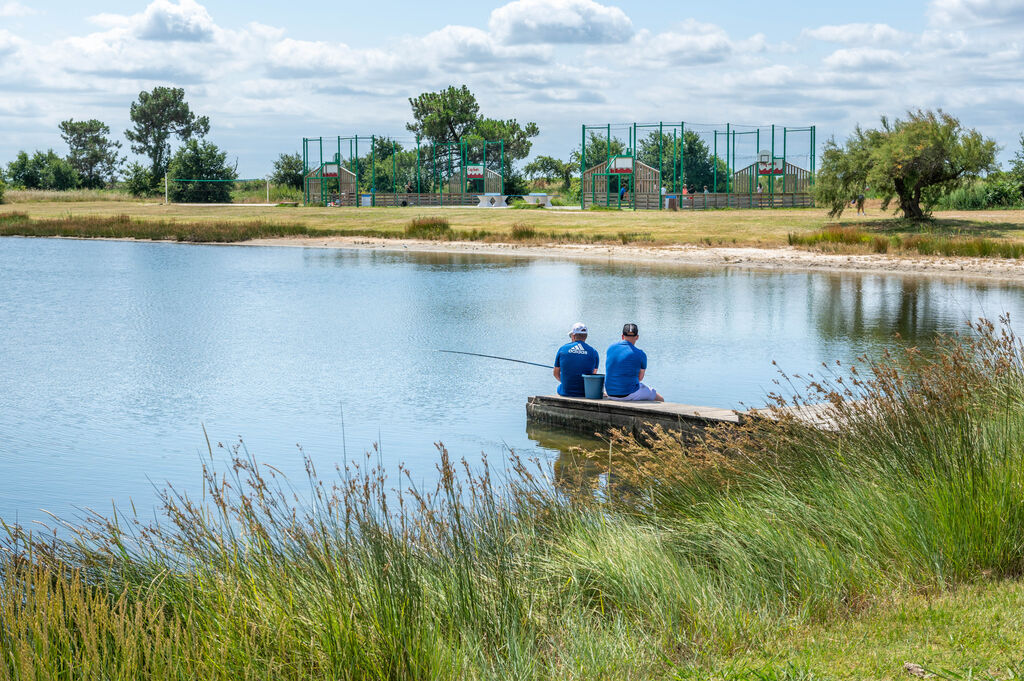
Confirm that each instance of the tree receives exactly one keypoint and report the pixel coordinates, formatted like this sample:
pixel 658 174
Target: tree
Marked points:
pixel 91 153
pixel 42 170
pixel 157 116
pixel 1017 166
pixel 913 161
pixel 138 181
pixel 288 170
pixel 444 116
pixel 453 115
pixel 551 168
pixel 201 161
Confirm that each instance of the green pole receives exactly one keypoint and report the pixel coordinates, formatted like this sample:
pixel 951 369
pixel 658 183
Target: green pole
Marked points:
pixel 419 189
pixel 320 170
pixel 772 176
pixel 608 157
pixel 338 139
pixel 394 174
pixel 727 167
pixel 682 156
pixel 785 133
pixel 757 146
pixel 714 168
pixel 661 169
pixel 373 170
pixel 583 165
pixel 814 135
pixel 355 157
pixel 305 169
pixel 502 147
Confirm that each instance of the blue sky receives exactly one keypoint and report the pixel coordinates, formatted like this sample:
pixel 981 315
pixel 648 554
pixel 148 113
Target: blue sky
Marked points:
pixel 269 73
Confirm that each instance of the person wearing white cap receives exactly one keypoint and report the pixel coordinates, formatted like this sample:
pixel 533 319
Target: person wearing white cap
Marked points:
pixel 574 359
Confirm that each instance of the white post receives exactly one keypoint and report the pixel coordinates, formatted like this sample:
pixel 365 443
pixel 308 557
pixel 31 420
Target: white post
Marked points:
pixel 165 189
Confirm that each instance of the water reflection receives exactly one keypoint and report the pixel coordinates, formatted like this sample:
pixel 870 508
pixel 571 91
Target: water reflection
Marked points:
pixel 115 355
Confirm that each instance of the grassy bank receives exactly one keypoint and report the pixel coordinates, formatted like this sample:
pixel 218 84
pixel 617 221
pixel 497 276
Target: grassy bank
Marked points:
pixel 762 228
pixel 777 551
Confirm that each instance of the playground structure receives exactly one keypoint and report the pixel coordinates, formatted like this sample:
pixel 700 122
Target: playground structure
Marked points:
pixel 762 166
pixel 336 172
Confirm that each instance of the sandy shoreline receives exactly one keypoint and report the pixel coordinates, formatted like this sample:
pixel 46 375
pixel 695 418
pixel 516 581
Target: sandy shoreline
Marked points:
pixel 771 259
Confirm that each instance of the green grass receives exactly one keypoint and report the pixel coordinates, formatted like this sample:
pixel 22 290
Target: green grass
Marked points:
pixel 773 551
pixel 851 239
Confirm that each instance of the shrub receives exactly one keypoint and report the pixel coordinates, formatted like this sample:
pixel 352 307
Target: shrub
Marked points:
pixel 139 181
pixel 521 232
pixel 431 228
pixel 2 187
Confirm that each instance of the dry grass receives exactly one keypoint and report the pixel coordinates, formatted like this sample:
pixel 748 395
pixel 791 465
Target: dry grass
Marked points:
pixel 763 228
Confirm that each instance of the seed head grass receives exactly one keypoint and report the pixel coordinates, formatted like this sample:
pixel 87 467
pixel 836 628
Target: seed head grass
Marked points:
pixel 691 549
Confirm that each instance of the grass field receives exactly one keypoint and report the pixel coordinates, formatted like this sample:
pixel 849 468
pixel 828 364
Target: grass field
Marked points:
pixel 769 228
pixel 775 551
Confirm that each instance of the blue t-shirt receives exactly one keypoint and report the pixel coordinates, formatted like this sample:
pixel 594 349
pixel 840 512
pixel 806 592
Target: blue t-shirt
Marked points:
pixel 575 359
pixel 623 363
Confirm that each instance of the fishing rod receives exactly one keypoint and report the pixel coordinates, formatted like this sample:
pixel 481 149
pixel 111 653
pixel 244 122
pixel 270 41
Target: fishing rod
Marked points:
pixel 507 359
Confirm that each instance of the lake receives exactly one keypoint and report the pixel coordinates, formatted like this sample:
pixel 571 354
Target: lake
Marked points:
pixel 115 355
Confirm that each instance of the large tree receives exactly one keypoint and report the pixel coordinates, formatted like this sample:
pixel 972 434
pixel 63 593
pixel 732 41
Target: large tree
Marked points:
pixel 91 152
pixel 201 160
pixel 453 115
pixel 913 161
pixel 157 116
pixel 444 116
pixel 288 170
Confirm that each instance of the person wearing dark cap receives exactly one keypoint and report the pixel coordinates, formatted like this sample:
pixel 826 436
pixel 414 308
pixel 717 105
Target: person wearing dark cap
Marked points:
pixel 625 366
pixel 574 359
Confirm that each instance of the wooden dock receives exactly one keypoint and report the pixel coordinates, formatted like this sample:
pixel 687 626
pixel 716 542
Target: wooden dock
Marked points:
pixel 594 416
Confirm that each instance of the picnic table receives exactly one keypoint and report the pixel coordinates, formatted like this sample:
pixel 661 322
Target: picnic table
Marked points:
pixel 492 200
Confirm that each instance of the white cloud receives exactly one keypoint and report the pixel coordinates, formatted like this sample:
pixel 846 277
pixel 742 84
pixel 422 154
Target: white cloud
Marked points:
pixel 560 21
pixel 15 9
pixel 690 44
pixel 864 58
pixel 187 20
pixel 983 12
pixel 857 34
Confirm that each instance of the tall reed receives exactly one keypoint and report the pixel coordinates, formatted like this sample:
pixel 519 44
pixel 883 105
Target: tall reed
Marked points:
pixel 692 546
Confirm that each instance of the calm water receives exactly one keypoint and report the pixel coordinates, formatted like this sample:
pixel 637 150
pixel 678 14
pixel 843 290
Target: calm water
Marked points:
pixel 114 355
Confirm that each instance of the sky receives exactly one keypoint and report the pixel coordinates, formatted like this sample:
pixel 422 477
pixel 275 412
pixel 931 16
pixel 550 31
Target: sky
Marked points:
pixel 269 74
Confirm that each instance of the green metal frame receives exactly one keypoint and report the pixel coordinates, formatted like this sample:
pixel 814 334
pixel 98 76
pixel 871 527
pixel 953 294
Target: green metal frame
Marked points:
pixel 313 157
pixel 674 155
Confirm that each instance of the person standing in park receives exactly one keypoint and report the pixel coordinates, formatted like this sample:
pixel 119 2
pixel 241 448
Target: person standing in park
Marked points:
pixel 573 360
pixel 625 366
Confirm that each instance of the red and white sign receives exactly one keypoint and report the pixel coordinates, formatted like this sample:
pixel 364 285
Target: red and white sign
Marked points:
pixel 778 167
pixel 475 172
pixel 621 164
pixel 329 170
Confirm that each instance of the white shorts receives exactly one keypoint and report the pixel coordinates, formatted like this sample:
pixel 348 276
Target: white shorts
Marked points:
pixel 641 394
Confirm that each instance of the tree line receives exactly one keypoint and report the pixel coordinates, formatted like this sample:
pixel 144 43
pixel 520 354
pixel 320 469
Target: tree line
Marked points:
pixel 924 160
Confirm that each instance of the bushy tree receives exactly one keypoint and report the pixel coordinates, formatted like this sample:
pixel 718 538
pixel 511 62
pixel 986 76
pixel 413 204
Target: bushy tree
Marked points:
pixel 288 170
pixel 913 161
pixel 1017 166
pixel 138 180
pixel 3 186
pixel 157 116
pixel 444 116
pixel 551 168
pixel 201 160
pixel 42 170
pixel 91 152
pixel 453 115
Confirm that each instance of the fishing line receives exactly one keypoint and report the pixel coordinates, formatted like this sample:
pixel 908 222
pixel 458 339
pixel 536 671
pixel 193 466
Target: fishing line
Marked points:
pixel 507 359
